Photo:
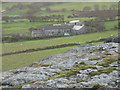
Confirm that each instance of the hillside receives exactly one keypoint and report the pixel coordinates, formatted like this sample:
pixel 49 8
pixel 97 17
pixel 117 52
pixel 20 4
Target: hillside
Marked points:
pixel 20 59
pixel 40 9
pixel 57 6
pixel 59 45
pixel 87 66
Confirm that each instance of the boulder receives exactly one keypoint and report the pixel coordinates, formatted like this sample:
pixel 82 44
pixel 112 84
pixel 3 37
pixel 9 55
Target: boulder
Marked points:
pixel 114 38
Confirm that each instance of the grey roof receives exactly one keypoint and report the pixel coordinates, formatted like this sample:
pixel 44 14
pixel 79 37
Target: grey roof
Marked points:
pixel 58 27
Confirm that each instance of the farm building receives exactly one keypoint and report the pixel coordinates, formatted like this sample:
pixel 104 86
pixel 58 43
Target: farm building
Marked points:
pixel 73 28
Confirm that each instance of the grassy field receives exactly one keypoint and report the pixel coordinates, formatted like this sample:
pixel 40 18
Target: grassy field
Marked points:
pixel 80 5
pixel 25 59
pixel 13 28
pixel 68 6
pixel 23 28
pixel 111 24
pixel 19 12
pixel 13 47
pixel 10 4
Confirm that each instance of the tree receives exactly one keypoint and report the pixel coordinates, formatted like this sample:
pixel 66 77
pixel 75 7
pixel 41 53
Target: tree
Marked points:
pixel 86 8
pixel 94 25
pixel 64 10
pixel 96 7
pixel 48 9
pixel 104 7
pixel 113 7
pixel 6 19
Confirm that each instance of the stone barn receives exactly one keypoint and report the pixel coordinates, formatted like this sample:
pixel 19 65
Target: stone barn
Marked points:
pixel 73 28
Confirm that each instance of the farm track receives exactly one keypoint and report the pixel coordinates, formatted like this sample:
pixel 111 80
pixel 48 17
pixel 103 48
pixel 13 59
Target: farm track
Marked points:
pixel 40 49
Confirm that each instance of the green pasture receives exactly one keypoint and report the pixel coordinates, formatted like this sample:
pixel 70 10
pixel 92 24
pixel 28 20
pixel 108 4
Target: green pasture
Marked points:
pixel 18 12
pixel 81 5
pixel 69 6
pixel 10 4
pixel 44 13
pixel 22 28
pixel 25 59
pixel 19 46
pixel 111 24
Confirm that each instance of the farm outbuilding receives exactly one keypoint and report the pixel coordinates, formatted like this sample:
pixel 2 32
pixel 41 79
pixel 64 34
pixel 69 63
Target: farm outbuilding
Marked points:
pixel 59 30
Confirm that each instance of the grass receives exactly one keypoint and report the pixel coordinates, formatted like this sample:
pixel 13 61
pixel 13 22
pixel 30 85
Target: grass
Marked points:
pixel 10 4
pixel 22 28
pixel 82 66
pixel 68 6
pixel 80 18
pixel 111 24
pixel 103 70
pixel 18 12
pixel 13 47
pixel 25 59
pixel 44 13
pixel 80 5
pixel 107 60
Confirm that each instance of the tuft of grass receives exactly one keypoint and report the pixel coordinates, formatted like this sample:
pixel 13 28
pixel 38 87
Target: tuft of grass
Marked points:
pixel 95 87
pixel 107 53
pixel 107 60
pixel 79 64
pixel 102 70
pixel 94 58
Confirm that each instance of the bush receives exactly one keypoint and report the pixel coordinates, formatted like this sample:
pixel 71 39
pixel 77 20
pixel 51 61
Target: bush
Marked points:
pixel 94 26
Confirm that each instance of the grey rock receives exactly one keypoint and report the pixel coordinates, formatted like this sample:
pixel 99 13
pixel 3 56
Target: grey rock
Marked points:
pixel 67 61
pixel 26 86
pixel 82 76
pixel 92 62
pixel 114 64
pixel 114 38
pixel 98 66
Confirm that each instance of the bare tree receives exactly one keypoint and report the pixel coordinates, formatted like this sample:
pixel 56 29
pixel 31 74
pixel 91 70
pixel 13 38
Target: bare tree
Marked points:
pixel 96 7
pixel 104 7
pixel 86 8
pixel 113 7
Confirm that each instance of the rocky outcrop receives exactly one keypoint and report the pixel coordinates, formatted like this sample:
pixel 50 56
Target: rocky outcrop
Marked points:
pixel 81 67
pixel 114 38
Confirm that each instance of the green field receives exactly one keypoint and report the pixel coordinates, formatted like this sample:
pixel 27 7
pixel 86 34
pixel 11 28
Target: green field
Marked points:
pixel 81 5
pixel 23 28
pixel 18 12
pixel 10 4
pixel 13 47
pixel 111 24
pixel 68 6
pixel 24 59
